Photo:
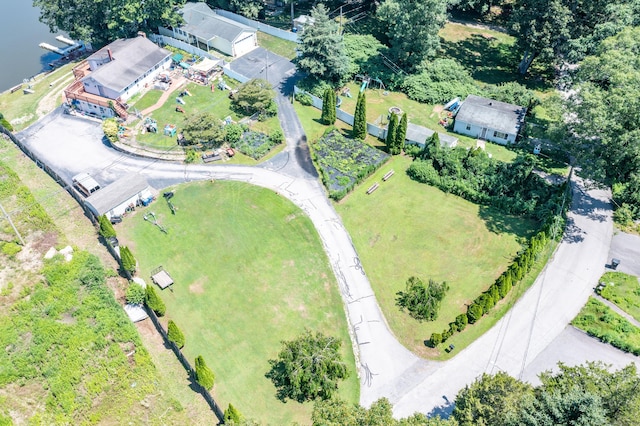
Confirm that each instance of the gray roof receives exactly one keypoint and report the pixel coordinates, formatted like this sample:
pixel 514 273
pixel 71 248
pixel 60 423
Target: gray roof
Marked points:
pixel 419 134
pixel 204 23
pixel 117 193
pixel 485 112
pixel 132 57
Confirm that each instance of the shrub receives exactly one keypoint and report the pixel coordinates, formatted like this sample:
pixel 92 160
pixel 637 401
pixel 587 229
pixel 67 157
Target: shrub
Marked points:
pixel 127 259
pixel 106 228
pixel 304 98
pixel 328 116
pixel 233 132
pixel 4 123
pixel 461 321
pixel 474 313
pixel 276 137
pixel 422 302
pixel 191 156
pixel 255 95
pixel 110 129
pixel 435 339
pixel 175 335
pixel 154 302
pixel 204 375
pixel 513 93
pixel 441 80
pixel 232 415
pixel 11 249
pixel 135 294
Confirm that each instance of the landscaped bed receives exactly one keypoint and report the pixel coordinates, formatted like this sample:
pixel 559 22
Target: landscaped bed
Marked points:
pixel 623 290
pixel 344 162
pixel 249 272
pixel 254 144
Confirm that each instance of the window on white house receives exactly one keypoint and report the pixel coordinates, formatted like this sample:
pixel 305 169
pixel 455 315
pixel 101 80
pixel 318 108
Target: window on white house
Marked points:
pixel 468 126
pixel 499 135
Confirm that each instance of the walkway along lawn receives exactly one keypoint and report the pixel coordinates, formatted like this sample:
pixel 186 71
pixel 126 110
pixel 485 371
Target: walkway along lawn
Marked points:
pixel 406 228
pixel 249 272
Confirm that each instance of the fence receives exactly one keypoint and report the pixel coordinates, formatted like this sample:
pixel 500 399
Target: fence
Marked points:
pixel 168 40
pixel 236 76
pixel 372 129
pixel 276 32
pixel 185 363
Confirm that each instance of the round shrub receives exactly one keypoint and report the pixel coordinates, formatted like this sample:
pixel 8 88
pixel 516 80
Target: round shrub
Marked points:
pixel 435 339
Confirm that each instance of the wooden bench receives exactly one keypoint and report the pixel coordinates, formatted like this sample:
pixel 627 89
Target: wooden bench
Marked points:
pixel 373 188
pixel 16 88
pixel 388 175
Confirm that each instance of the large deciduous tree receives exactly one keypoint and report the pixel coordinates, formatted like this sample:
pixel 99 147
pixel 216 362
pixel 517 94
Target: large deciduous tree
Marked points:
pixel 321 49
pixel 308 367
pixel 422 301
pixel 203 128
pixel 412 27
pixel 101 22
pixel 255 95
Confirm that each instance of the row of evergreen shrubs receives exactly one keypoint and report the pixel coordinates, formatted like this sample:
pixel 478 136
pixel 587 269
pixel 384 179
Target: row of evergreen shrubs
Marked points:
pixel 521 265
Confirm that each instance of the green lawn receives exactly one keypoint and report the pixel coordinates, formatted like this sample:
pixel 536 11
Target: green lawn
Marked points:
pixel 623 290
pixel 277 45
pixel 250 271
pixel 419 230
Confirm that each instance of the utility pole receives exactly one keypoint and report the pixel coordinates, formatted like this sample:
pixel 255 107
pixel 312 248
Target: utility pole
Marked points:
pixel 12 225
pixel 340 25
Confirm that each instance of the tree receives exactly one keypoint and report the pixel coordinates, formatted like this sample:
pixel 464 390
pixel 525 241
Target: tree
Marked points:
pixel 232 415
pixel 106 228
pixel 174 334
pixel 127 259
pixel 576 407
pixel 490 400
pixel 255 95
pixel 249 8
pixel 401 134
pixel 474 313
pixel 422 302
pixel 329 107
pixel 412 27
pixel 321 49
pixel 391 133
pixel 154 302
pixel 203 128
pixel 204 375
pixel 4 123
pixel 360 118
pixel 110 129
pixel 102 22
pixel 308 367
pixel 435 339
pixel 135 294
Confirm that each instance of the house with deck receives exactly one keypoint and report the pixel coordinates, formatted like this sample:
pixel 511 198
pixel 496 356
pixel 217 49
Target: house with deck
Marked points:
pixel 490 120
pixel 113 74
pixel 207 30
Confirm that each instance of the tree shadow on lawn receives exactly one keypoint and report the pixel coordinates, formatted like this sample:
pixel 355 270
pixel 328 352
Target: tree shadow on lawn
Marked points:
pixel 502 223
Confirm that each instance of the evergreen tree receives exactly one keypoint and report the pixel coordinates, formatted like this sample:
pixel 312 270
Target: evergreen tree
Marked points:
pixel 392 129
pixel 154 302
pixel 204 375
pixel 106 228
pixel 401 133
pixel 360 118
pixel 232 415
pixel 127 259
pixel 175 335
pixel 329 107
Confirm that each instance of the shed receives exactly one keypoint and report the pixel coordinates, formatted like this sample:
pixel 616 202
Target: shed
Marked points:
pixel 418 135
pixel 205 29
pixel 489 119
pixel 135 312
pixel 114 199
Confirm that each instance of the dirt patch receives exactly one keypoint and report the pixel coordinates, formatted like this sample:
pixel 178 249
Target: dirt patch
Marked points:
pixel 438 109
pixel 25 400
pixel 67 318
pixel 197 287
pixel 289 263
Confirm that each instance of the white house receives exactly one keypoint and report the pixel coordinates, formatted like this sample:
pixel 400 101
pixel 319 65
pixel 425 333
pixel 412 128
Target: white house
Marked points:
pixel 491 120
pixel 113 74
pixel 207 30
pixel 114 199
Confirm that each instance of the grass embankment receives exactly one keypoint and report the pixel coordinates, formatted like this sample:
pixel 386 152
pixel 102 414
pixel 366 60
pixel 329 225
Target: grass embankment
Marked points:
pixel 623 290
pixel 418 230
pixel 279 46
pixel 249 271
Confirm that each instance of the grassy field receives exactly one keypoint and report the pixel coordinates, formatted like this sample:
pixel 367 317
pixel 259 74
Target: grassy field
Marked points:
pixel 623 290
pixel 202 100
pixel 249 272
pixel 418 230
pixel 602 322
pixel 277 45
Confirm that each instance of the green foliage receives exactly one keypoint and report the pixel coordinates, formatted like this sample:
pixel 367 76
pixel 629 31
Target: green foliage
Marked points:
pixel 175 334
pixel 127 260
pixel 276 137
pixel 154 302
pixel 308 367
pixel 511 92
pixel 257 145
pixel 249 8
pixel 474 313
pixel 422 302
pixel 391 134
pixel 363 52
pixel 135 294
pixel 321 49
pixel 329 107
pixel 256 95
pixel 4 123
pixel 623 290
pixel 204 375
pixel 360 117
pixel 10 248
pixel 233 132
pixel 462 321
pixel 191 156
pixel 435 339
pixel 106 228
pixel 304 98
pixel 401 134
pixel 412 28
pixel 440 81
pixel 232 415
pixel 203 129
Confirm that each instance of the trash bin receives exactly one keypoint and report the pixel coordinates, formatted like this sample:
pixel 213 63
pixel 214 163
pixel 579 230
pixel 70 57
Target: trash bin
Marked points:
pixel 615 263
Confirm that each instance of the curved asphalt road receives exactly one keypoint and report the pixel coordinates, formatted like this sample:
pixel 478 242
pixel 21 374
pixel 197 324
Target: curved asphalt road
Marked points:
pixel 72 145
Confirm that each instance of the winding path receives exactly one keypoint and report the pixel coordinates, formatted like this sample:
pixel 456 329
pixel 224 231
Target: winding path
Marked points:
pixel 71 145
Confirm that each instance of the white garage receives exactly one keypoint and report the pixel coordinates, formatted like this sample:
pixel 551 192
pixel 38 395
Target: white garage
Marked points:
pixel 116 198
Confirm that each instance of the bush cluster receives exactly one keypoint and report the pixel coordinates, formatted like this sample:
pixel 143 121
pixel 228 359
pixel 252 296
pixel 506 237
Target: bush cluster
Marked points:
pixel 106 228
pixel 420 300
pixel 440 81
pixel 154 302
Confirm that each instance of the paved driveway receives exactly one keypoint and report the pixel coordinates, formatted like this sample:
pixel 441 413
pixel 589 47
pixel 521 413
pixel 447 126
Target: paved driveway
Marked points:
pixel 260 63
pixel 626 248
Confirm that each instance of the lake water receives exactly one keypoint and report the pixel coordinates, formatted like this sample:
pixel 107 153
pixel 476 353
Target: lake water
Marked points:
pixel 20 35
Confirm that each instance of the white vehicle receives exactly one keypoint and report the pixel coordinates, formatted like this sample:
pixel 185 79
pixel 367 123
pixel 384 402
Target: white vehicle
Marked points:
pixel 85 184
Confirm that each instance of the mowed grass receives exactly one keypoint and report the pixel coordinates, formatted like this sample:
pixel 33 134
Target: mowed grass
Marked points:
pixel 623 290
pixel 249 272
pixel 279 46
pixel 409 229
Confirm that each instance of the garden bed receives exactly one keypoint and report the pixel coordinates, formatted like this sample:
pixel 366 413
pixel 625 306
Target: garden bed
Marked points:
pixel 344 162
pixel 254 144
